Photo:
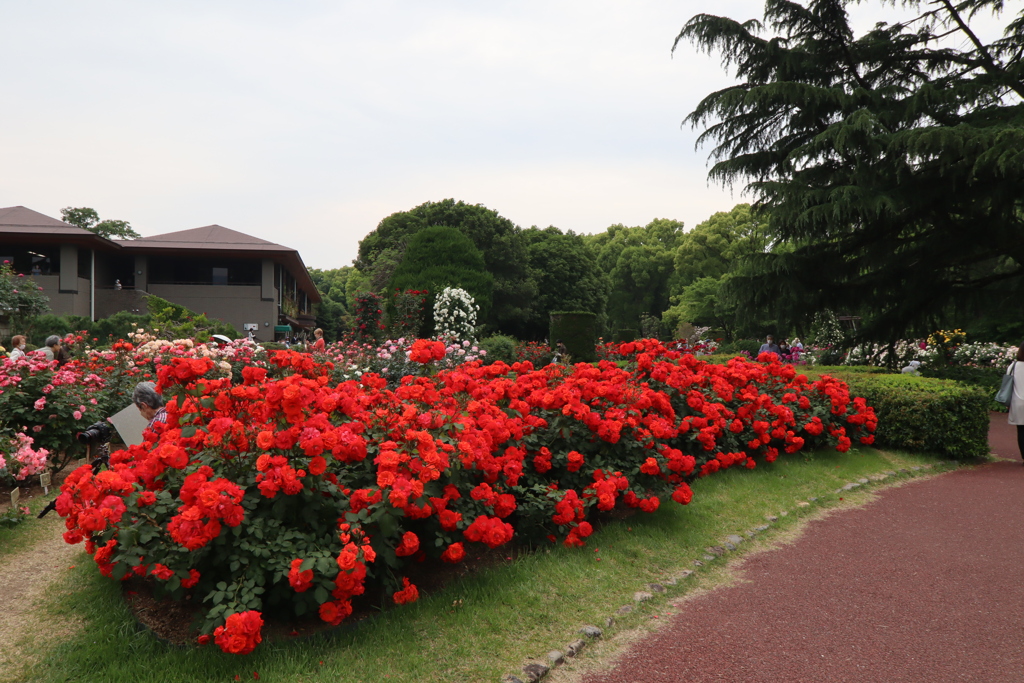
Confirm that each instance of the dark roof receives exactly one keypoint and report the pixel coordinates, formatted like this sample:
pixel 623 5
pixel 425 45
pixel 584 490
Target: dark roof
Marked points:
pixel 23 224
pixel 221 241
pixel 207 237
pixel 19 224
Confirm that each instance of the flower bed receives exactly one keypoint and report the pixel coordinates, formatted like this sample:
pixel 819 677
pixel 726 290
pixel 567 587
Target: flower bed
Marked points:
pixel 290 493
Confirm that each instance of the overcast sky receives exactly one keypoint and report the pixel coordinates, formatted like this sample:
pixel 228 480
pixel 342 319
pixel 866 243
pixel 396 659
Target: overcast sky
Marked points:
pixel 306 123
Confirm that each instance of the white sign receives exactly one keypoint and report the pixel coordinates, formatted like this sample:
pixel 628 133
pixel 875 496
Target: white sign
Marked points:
pixel 15 496
pixel 129 424
pixel 253 327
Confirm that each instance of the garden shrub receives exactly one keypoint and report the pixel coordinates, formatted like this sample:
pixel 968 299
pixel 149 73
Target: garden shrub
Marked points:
pixel 578 331
pixel 500 347
pixel 922 414
pixel 751 346
pixel 535 353
pixel 292 494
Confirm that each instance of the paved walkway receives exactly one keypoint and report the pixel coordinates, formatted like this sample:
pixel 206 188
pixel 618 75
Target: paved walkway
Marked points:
pixel 925 583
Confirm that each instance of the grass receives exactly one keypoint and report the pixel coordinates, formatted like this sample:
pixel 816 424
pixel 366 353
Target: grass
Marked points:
pixel 29 531
pixel 479 628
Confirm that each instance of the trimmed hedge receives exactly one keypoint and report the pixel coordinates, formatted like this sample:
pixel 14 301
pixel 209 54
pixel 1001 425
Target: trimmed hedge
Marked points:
pixel 921 413
pixel 578 331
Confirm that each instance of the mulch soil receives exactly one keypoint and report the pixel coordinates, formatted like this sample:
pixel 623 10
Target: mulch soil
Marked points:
pixel 921 584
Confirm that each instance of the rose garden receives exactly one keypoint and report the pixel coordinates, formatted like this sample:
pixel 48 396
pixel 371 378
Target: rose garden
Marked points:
pixel 289 485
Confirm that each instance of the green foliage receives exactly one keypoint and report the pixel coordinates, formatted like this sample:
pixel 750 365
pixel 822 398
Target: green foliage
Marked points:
pixel 498 239
pixel 639 262
pixel 889 162
pixel 88 219
pixel 173 321
pixel 566 275
pixel 705 261
pixel 922 414
pixel 578 331
pixel 624 335
pixel 334 314
pixel 751 346
pixel 105 330
pixel 442 256
pixel 499 347
pixel 20 298
pixel 985 379
pixel 369 325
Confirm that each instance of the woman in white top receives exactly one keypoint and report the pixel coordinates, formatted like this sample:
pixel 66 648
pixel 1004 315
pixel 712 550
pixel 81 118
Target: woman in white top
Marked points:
pixel 18 342
pixel 1017 397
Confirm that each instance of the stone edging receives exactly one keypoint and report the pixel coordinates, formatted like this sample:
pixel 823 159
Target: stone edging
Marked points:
pixel 536 670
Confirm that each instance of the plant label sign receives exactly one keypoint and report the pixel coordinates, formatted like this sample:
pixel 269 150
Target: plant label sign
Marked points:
pixel 15 497
pixel 44 481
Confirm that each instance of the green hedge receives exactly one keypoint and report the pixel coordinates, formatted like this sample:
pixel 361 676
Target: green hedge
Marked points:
pixel 499 347
pixel 924 414
pixel 578 331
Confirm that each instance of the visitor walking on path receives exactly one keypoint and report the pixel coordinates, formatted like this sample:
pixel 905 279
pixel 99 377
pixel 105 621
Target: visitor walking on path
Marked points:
pixel 1016 416
pixel 920 584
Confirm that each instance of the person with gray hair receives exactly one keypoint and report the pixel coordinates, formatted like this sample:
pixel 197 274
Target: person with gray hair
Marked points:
pixel 150 403
pixel 50 347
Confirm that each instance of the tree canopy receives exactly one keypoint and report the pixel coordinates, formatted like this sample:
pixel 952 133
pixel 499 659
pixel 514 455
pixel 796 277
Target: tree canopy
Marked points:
pixel 88 219
pixel 891 163
pixel 498 239
pixel 441 256
pixel 639 263
pixel 566 276
pixel 334 312
pixel 706 260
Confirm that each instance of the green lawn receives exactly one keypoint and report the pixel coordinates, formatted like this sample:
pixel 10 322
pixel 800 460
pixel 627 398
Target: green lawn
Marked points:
pixel 480 628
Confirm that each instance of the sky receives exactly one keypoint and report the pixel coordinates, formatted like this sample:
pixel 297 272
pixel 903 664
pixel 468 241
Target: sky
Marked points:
pixel 306 123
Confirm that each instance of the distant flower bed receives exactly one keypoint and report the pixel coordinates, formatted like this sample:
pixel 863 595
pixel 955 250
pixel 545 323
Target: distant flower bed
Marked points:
pixel 292 492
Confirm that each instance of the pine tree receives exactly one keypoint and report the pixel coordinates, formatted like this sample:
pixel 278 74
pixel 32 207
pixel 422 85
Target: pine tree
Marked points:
pixel 891 163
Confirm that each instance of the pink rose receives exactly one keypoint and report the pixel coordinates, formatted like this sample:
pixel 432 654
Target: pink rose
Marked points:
pixel 40 403
pixel 77 414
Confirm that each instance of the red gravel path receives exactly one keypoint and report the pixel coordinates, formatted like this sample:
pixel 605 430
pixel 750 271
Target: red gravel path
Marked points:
pixel 925 583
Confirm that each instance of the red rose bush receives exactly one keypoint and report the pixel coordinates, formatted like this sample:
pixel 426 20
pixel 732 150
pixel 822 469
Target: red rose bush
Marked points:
pixel 289 493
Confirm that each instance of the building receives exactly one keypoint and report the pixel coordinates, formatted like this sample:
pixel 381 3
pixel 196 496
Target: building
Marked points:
pixel 242 280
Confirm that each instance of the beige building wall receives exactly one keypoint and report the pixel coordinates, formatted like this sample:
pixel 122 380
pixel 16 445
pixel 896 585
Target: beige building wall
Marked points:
pixel 65 303
pixel 234 304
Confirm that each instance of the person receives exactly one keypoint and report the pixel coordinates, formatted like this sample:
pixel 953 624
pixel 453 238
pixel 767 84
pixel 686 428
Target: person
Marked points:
pixel 117 284
pixel 319 345
pixel 63 354
pixel 36 270
pixel 150 403
pixel 50 348
pixel 784 349
pixel 797 345
pixel 1016 416
pixel 560 352
pixel 769 346
pixel 18 342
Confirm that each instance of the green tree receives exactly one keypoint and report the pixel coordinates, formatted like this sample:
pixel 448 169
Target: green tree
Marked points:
pixel 498 239
pixel 566 276
pixel 439 257
pixel 639 263
pixel 334 314
pixel 705 262
pixel 891 163
pixel 88 219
